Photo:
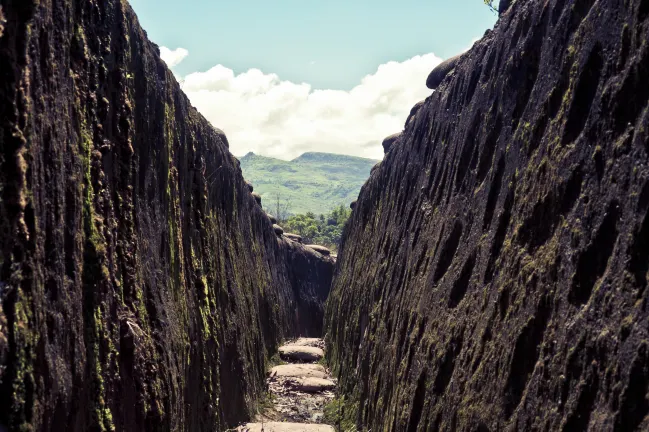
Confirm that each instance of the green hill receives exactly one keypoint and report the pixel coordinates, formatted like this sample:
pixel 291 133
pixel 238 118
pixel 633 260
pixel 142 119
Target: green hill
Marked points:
pixel 313 182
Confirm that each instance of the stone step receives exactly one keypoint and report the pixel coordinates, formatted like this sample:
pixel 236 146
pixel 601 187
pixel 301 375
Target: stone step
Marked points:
pixel 298 371
pixel 311 342
pixel 285 427
pixel 300 353
pixel 312 385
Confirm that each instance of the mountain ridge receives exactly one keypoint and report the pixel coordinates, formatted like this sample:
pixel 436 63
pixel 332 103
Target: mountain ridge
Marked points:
pixel 312 182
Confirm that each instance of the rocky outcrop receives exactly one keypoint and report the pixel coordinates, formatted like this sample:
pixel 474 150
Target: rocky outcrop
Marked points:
pixel 388 142
pixel 293 237
pixel 493 275
pixel 278 229
pixel 257 197
pixel 141 287
pixel 310 276
pixel 320 249
pixel 414 110
pixel 439 73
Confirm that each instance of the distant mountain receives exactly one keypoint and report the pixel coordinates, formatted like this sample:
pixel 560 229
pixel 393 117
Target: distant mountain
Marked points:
pixel 315 182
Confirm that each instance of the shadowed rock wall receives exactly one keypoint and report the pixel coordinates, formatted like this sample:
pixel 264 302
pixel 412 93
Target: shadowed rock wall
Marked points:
pixel 493 275
pixel 142 287
pixel 310 275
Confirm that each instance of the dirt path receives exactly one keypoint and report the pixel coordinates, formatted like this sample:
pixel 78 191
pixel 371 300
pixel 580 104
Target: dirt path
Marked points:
pixel 300 389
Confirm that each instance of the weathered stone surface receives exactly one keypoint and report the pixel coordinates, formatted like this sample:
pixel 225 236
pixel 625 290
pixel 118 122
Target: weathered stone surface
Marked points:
pixel 251 188
pixel 320 249
pixel 493 275
pixel 285 427
pixel 293 237
pixel 375 167
pixel 312 342
pixel 136 274
pixel 299 371
pixel 301 353
pixel 414 110
pixel 278 229
pixel 352 205
pixel 219 133
pixel 272 218
pixel 257 197
pixel 438 74
pixel 388 142
pixel 310 279
pixel 503 5
pixel 313 385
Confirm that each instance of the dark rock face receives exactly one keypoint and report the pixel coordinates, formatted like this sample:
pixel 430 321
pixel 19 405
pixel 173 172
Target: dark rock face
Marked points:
pixel 141 286
pixel 493 275
pixel 310 275
pixel 389 142
pixel 438 74
pixel 320 249
pixel 293 237
pixel 414 110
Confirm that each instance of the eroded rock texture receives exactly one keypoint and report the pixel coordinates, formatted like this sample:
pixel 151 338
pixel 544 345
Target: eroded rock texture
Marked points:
pixel 310 274
pixel 142 287
pixel 494 272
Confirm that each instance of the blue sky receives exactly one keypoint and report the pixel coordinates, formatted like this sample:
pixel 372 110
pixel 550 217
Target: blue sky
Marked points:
pixel 347 39
pixel 284 77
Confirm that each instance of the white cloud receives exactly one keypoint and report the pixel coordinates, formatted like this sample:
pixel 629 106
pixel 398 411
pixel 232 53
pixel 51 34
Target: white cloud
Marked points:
pixel 260 112
pixel 173 58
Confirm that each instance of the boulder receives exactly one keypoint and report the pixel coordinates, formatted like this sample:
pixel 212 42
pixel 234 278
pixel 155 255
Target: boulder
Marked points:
pixel 294 237
pixel 272 218
pixel 300 353
pixel 414 110
pixel 320 249
pixel 278 229
pixel 439 73
pixel 352 205
pixel 257 197
pixel 298 371
pixel 284 427
pixel 389 141
pixel 313 385
pixel 222 137
pixel 251 188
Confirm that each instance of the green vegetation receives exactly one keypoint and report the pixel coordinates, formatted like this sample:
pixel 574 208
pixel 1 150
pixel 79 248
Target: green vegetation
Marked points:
pixel 314 182
pixel 325 230
pixel 341 414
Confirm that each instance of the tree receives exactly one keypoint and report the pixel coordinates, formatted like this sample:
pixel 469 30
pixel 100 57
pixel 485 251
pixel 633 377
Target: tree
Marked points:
pixel 281 207
pixel 325 230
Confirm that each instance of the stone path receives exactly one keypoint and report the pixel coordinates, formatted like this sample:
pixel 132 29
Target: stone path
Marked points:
pixel 300 390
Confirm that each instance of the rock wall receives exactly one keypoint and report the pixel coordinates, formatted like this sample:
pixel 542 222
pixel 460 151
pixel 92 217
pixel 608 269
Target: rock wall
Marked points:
pixel 142 287
pixel 310 275
pixel 493 275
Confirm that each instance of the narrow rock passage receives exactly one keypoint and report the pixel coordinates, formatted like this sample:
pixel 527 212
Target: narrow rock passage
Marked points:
pixel 300 389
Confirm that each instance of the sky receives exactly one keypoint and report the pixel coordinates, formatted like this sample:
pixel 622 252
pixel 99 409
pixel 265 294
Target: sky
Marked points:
pixel 285 77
